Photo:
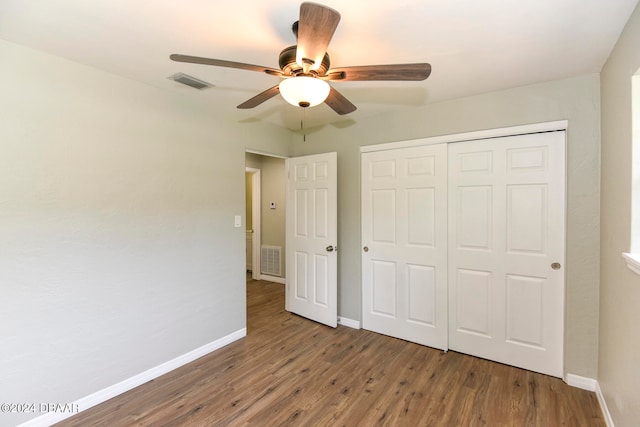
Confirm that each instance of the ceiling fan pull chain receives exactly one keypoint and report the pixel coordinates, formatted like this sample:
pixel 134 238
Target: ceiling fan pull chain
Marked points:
pixel 304 117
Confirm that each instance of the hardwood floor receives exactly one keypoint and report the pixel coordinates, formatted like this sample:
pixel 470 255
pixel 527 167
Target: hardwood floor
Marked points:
pixel 292 371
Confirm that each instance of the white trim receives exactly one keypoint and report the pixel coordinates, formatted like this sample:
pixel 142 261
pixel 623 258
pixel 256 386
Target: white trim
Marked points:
pixel 256 220
pixel 584 383
pixel 469 136
pixel 264 153
pixel 275 279
pixel 603 406
pixel 348 322
pixel 633 261
pixel 139 379
pixel 590 384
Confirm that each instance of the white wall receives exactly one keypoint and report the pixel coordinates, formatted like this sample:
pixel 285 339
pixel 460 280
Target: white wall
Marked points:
pixel 117 245
pixel 576 99
pixel 618 367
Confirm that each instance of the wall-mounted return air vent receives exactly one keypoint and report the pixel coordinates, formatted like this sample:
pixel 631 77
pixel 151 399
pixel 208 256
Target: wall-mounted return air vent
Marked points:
pixel 188 80
pixel 270 260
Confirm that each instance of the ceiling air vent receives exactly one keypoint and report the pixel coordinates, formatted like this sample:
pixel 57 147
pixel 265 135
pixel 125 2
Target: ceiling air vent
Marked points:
pixel 188 80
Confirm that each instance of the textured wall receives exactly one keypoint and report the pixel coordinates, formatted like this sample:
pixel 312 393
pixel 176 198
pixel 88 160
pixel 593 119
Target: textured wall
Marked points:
pixel 618 368
pixel 117 245
pixel 576 99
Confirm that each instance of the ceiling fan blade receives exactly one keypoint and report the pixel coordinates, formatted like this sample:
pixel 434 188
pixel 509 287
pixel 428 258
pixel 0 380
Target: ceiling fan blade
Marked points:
pixel 316 26
pixel 339 103
pixel 223 63
pixel 260 98
pixel 401 72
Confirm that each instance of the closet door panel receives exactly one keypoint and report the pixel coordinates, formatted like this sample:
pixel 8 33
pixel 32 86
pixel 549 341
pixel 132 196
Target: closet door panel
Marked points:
pixel 506 250
pixel 404 239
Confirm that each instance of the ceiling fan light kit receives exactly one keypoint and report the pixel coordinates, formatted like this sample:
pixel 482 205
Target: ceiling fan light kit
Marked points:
pixel 304 91
pixel 306 70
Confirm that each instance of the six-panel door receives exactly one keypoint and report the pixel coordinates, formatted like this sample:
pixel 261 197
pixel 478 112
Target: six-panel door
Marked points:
pixel 506 250
pixel 312 236
pixel 404 270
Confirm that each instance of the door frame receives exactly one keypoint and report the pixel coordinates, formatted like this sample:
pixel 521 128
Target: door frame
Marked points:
pixel 256 212
pixel 470 136
pixel 256 226
pixel 256 202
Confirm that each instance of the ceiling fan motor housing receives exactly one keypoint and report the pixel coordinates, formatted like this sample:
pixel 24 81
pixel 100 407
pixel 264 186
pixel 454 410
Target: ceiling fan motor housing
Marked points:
pixel 288 64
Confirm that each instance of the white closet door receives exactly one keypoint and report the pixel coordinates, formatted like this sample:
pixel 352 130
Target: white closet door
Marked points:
pixel 404 236
pixel 506 250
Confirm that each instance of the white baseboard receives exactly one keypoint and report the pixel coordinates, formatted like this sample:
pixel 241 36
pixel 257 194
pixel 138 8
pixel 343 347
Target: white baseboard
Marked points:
pixel 112 391
pixel 603 405
pixel 348 322
pixel 591 385
pixel 584 383
pixel 273 279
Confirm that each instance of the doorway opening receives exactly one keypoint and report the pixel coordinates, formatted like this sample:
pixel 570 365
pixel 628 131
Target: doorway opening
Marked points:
pixel 265 196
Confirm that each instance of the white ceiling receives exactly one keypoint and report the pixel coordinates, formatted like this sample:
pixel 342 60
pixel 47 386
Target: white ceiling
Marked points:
pixel 473 46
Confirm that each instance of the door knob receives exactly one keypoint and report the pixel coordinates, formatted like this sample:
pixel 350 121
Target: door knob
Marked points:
pixel 366 249
pixel 330 248
pixel 556 266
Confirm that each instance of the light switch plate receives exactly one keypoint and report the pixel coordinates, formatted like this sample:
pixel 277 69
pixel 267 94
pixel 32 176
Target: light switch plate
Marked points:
pixel 237 222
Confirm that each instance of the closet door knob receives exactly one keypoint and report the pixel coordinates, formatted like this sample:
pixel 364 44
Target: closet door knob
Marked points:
pixel 366 249
pixel 556 266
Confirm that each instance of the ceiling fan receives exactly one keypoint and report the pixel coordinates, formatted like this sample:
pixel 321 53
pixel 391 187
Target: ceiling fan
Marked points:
pixel 305 68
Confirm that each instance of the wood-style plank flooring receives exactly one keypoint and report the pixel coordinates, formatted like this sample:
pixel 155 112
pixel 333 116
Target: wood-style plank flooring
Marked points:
pixel 292 371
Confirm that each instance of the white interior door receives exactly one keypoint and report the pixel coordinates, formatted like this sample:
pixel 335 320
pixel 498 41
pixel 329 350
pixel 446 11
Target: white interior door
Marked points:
pixel 404 236
pixel 506 250
pixel 312 236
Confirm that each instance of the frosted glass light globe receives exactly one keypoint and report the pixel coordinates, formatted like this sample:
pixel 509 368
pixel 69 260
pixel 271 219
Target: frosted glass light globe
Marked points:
pixel 304 91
